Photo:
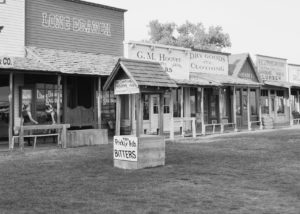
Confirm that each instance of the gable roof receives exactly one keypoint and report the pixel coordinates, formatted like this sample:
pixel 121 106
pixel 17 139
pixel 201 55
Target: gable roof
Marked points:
pixel 237 61
pixel 143 73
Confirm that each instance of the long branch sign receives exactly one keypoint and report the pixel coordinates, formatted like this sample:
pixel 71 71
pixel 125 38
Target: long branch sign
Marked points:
pixel 125 148
pixel 125 86
pixel 6 62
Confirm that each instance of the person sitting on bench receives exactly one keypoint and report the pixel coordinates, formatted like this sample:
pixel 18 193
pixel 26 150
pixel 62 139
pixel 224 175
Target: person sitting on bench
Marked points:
pixel 27 118
pixel 50 113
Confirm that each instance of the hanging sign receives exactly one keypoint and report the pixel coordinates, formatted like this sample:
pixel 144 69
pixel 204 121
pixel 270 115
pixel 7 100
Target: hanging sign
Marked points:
pixel 125 148
pixel 271 69
pixel 6 62
pixel 126 86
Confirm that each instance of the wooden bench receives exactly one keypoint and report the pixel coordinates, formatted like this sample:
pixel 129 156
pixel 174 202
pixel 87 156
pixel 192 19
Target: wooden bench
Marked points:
pixel 222 125
pixel 61 133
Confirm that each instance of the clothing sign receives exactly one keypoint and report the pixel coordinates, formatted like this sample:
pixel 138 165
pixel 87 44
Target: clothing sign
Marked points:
pixel 126 86
pixel 125 148
pixel 271 69
pixel 294 73
pixel 210 63
pixel 173 60
pixel 6 62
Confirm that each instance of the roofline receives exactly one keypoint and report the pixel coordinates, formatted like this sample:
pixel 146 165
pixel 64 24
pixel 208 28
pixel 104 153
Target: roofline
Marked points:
pixel 98 5
pixel 298 65
pixel 210 51
pixel 157 45
pixel 270 57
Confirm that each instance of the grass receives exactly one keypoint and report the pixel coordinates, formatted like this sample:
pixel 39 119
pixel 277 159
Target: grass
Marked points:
pixel 246 173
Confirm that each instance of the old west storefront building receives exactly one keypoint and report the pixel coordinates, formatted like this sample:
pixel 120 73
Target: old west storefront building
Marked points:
pixel 62 54
pixel 209 94
pixel 294 80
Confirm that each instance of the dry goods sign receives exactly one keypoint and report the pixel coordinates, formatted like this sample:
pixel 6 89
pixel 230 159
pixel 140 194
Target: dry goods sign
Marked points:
pixel 125 148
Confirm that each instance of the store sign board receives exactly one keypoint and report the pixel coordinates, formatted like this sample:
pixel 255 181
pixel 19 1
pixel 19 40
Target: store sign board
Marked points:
pixel 210 63
pixel 174 61
pixel 294 73
pixel 126 86
pixel 6 62
pixel 271 69
pixel 125 148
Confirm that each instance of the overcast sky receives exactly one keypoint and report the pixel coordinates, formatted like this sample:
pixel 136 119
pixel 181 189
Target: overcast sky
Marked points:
pixel 267 27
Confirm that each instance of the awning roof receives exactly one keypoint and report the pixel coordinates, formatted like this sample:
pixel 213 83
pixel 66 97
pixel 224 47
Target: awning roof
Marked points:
pixel 281 84
pixel 143 73
pixel 223 79
pixel 197 82
pixel 51 60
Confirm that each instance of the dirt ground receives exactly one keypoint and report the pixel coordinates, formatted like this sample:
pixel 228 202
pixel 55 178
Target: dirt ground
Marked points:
pixel 244 173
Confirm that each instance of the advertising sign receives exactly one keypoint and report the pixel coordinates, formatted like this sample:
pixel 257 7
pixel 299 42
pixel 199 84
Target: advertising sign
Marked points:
pixel 125 148
pixel 271 69
pixel 173 60
pixel 125 86
pixel 210 63
pixel 6 62
pixel 294 73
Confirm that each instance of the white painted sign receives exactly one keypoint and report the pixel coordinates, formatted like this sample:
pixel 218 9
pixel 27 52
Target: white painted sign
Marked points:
pixel 210 63
pixel 125 148
pixel 174 60
pixel 125 86
pixel 271 69
pixel 75 24
pixel 294 73
pixel 6 62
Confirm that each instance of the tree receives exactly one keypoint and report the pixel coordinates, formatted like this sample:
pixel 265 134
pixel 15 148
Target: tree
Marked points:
pixel 189 35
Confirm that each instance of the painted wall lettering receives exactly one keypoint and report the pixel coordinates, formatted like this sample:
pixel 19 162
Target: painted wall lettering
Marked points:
pixel 6 62
pixel 57 21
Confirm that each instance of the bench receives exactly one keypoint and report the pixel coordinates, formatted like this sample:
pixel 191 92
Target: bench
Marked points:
pixel 217 124
pixel 61 133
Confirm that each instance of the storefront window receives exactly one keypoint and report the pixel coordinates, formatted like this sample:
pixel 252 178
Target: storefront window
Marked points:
pixel 146 107
pixel 213 106
pixel 224 100
pixel 155 105
pixel 264 97
pixel 253 105
pixel 166 105
pixel 177 102
pixel 280 106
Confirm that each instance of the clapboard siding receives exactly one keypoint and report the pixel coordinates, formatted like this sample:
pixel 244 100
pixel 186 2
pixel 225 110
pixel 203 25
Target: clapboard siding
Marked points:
pixel 43 37
pixel 12 16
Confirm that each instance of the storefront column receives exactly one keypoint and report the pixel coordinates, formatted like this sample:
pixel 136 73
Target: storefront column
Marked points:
pixel 161 114
pixel 202 111
pixel 234 109
pixel 290 107
pixel 65 98
pixel 181 112
pixel 58 98
pixel 258 92
pixel 11 107
pixel 171 117
pixel 220 109
pixel 270 104
pixel 248 109
pixel 139 115
pixel 118 115
pixel 99 106
pixel 133 122
pixel 298 101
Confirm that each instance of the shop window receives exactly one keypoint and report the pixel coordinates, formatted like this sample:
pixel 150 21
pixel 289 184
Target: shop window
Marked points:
pixel 155 105
pixel 238 102
pixel 146 107
pixel 253 104
pixel 176 102
pixel 166 105
pixel 224 100
pixel 280 98
pixel 193 93
pixel 213 105
pixel 264 101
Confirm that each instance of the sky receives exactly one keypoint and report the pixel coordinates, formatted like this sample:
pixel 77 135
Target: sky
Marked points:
pixel 266 27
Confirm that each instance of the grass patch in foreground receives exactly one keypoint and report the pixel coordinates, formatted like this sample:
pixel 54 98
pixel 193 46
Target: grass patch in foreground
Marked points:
pixel 249 173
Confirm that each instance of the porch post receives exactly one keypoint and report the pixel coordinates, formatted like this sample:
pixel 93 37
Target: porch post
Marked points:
pixel 298 101
pixel 161 114
pixel 171 116
pixel 132 98
pixel 234 109
pixel 220 109
pixel 270 104
pixel 118 115
pixel 248 109
pixel 290 107
pixel 259 107
pixel 181 111
pixel 58 98
pixel 65 99
pixel 11 105
pixel 202 111
pixel 139 115
pixel 99 106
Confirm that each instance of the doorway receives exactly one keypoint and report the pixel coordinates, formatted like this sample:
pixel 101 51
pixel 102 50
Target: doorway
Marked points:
pixel 4 108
